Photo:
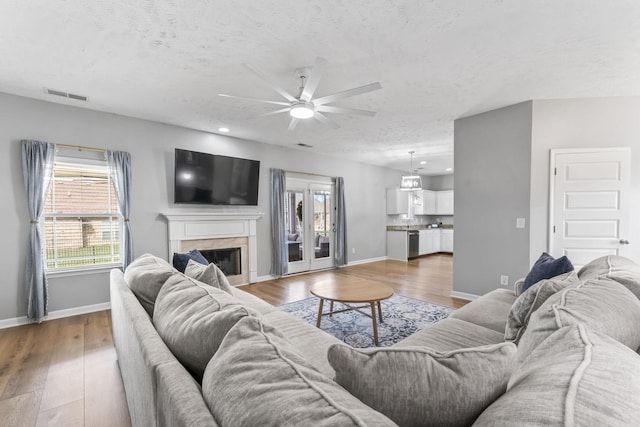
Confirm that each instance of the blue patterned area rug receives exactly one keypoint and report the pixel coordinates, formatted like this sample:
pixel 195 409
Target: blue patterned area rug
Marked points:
pixel 402 317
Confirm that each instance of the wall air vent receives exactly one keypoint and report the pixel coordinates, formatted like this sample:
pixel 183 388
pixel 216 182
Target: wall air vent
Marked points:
pixel 65 94
pixel 301 144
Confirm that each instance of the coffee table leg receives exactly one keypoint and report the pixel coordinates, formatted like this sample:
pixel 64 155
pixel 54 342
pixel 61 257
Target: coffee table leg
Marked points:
pixel 380 313
pixel 375 326
pixel 330 308
pixel 320 313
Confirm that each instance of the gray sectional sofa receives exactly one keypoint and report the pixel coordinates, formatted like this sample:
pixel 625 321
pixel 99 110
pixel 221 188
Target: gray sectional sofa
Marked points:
pixel 199 353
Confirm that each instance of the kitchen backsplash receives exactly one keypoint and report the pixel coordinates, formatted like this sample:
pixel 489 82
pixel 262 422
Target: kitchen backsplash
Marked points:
pixel 419 219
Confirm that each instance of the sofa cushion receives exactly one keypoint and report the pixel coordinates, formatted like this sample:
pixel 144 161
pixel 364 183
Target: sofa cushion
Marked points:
pixel 209 274
pixel 452 334
pixel 489 310
pixel 620 269
pixel 180 260
pixel 546 267
pixel 602 305
pixel 192 318
pixel 257 378
pixel 575 377
pixel 145 276
pixel 531 300
pixel 253 302
pixel 312 343
pixel 415 386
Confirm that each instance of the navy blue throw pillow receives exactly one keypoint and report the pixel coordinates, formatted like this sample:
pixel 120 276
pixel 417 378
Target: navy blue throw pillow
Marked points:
pixel 180 261
pixel 546 267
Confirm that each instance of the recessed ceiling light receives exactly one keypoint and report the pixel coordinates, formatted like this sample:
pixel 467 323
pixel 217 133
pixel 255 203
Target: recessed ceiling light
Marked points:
pixel 449 169
pixel 424 162
pixel 225 130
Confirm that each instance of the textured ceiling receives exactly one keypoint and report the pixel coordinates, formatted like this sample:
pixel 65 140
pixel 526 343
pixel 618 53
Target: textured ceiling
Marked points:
pixel 436 60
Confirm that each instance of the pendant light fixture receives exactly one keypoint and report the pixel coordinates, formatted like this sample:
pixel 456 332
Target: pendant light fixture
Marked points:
pixel 411 182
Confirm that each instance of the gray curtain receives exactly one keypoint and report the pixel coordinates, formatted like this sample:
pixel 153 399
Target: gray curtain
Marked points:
pixel 120 169
pixel 341 224
pixel 279 258
pixel 37 171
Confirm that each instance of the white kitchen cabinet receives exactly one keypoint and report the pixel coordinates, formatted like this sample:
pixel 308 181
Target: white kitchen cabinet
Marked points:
pixel 444 202
pixel 424 202
pixel 429 241
pixel 446 241
pixel 397 201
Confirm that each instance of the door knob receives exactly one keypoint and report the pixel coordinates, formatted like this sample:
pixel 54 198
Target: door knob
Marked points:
pixel 624 242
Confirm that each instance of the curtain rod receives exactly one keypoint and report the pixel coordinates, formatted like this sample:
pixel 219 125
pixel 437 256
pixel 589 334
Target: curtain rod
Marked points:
pixel 80 147
pixel 309 173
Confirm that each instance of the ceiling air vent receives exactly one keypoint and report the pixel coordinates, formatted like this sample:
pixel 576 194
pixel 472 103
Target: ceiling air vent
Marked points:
pixel 66 95
pixel 301 144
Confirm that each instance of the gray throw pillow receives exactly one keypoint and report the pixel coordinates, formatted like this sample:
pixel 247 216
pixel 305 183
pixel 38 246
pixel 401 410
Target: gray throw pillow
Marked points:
pixel 145 276
pixel 530 300
pixel 417 387
pixel 576 377
pixel 209 274
pixel 602 305
pixel 257 378
pixel 192 318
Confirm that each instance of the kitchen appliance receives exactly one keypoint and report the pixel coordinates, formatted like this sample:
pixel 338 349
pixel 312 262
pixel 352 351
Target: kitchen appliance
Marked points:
pixel 413 241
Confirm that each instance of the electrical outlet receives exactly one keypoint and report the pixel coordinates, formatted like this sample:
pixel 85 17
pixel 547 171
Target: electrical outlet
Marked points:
pixel 353 250
pixel 504 280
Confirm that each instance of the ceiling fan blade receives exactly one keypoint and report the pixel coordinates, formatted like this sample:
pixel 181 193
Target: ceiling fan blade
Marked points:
pixel 271 113
pixel 352 111
pixel 326 120
pixel 347 93
pixel 293 123
pixel 253 99
pixel 268 81
pixel 313 79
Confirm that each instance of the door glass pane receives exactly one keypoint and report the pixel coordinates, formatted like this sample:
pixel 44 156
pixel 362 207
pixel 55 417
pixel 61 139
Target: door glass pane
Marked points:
pixel 322 222
pixel 294 216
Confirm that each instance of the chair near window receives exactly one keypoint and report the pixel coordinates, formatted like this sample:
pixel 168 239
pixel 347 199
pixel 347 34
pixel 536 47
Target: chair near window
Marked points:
pixel 322 246
pixel 294 245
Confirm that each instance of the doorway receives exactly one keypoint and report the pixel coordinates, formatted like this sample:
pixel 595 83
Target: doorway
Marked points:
pixel 310 224
pixel 589 203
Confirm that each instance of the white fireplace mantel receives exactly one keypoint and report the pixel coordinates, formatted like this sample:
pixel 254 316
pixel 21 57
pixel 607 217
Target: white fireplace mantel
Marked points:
pixel 214 225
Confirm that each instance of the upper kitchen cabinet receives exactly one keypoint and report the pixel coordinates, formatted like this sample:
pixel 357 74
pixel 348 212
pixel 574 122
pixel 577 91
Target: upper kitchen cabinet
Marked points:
pixel 397 201
pixel 444 202
pixel 424 202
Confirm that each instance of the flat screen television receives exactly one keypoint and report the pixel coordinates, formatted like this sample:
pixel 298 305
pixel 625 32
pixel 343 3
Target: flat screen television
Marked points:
pixel 210 179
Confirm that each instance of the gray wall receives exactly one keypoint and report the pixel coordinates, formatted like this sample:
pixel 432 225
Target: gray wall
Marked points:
pixel 151 146
pixel 492 167
pixel 581 123
pixel 438 182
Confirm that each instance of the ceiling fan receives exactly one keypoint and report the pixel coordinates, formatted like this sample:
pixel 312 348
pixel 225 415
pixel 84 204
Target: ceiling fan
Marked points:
pixel 305 106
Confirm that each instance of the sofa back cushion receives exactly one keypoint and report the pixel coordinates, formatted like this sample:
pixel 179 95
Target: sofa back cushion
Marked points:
pixel 257 378
pixel 145 276
pixel 416 387
pixel 531 300
pixel 620 269
pixel 602 305
pixel 192 318
pixel 575 377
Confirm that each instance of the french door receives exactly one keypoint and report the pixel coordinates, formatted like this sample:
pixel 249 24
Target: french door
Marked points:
pixel 310 224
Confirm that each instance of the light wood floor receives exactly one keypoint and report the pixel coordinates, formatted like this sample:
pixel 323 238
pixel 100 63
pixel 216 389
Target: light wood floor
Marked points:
pixel 64 372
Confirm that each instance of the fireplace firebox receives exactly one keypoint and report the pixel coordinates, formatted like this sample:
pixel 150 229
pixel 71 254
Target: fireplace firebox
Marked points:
pixel 229 260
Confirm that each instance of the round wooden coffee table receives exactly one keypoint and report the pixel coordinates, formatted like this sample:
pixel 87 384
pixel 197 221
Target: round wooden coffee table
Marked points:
pixel 352 291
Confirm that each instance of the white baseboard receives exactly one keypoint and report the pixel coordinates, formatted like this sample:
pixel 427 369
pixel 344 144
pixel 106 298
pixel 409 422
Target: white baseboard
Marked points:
pixel 464 295
pixel 58 314
pixel 367 261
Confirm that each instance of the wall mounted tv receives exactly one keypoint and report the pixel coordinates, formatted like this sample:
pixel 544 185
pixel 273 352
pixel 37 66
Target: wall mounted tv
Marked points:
pixel 210 179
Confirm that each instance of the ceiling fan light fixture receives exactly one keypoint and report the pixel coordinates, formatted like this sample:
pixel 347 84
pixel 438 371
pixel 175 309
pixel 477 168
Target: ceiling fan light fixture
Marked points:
pixel 302 110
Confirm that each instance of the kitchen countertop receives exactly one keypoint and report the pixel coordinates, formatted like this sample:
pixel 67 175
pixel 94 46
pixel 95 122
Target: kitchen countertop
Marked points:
pixel 418 227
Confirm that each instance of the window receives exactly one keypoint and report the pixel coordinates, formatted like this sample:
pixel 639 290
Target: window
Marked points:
pixel 81 219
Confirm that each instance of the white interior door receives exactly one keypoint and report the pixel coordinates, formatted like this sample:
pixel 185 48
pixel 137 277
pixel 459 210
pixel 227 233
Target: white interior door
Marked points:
pixel 310 217
pixel 589 203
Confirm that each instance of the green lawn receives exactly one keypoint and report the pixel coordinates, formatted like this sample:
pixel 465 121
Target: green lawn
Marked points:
pixel 88 255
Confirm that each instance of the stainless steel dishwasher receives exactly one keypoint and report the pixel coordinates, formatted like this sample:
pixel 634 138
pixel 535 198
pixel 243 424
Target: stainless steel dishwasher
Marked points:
pixel 414 243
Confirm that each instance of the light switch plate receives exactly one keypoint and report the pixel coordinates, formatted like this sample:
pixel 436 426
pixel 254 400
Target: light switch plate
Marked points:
pixel 520 222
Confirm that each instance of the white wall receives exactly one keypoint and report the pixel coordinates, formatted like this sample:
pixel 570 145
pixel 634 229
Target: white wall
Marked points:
pixel 581 123
pixel 152 146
